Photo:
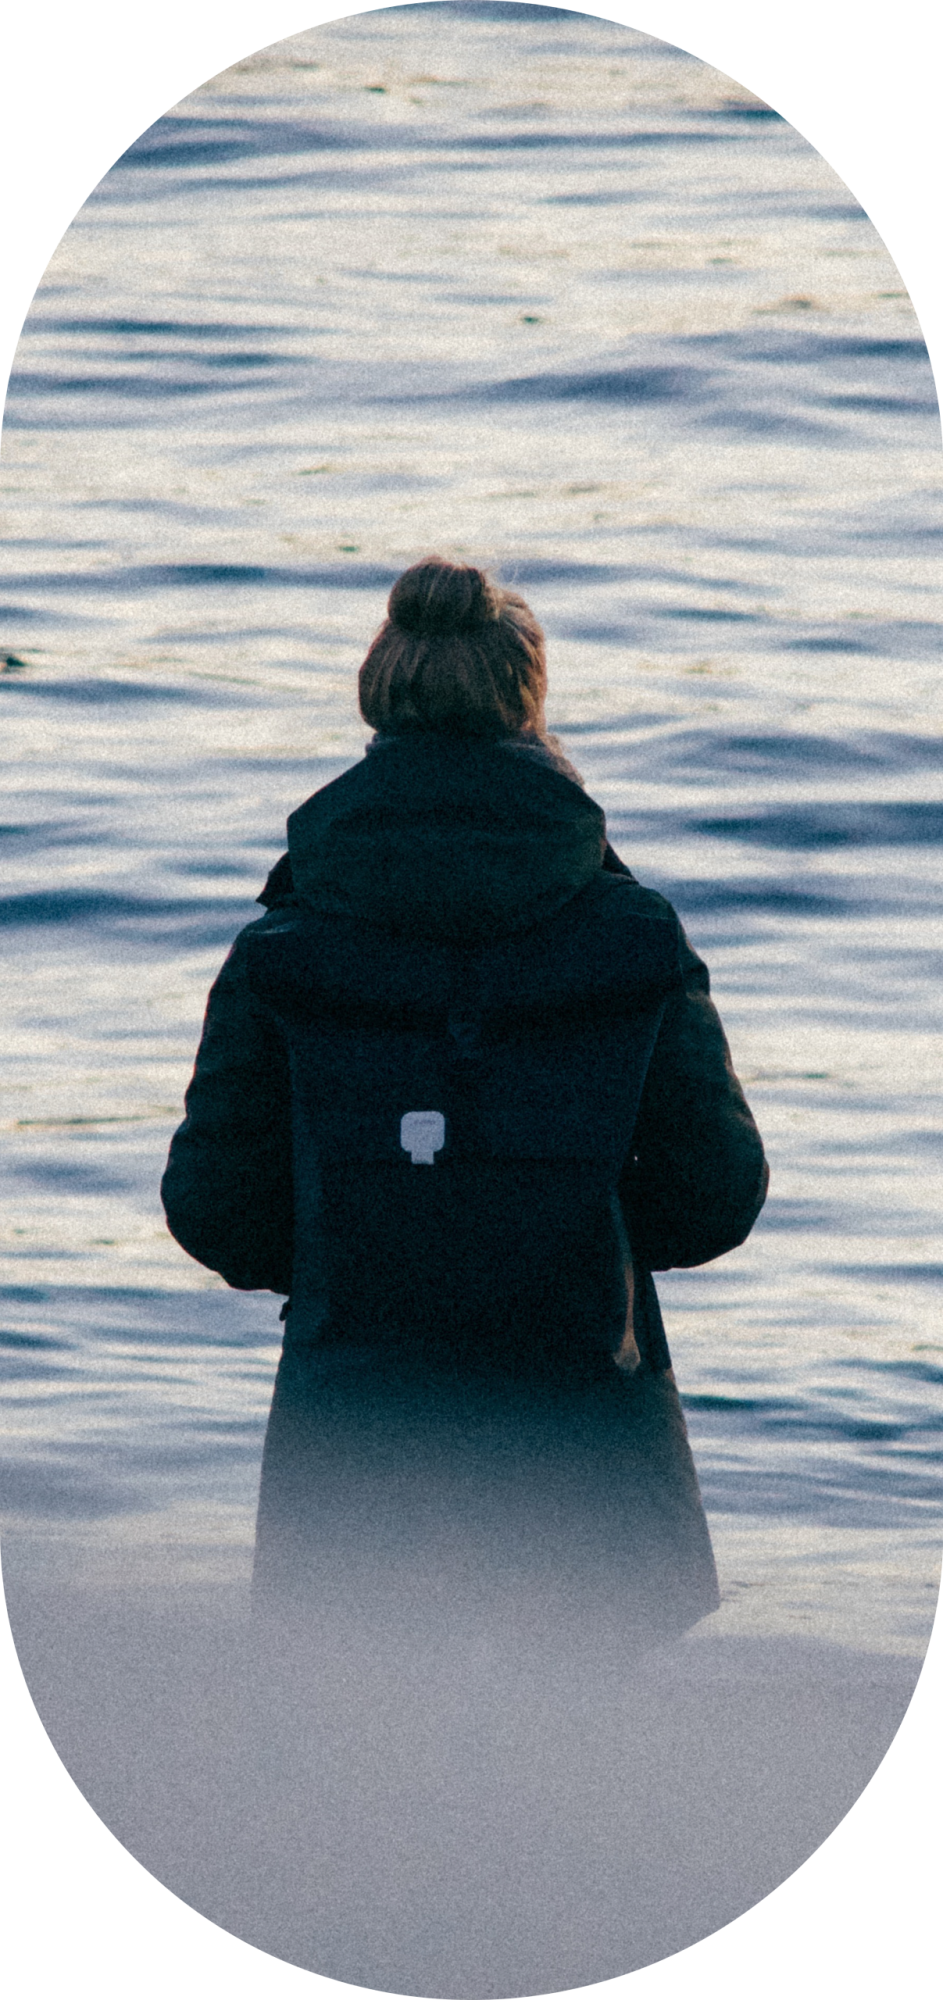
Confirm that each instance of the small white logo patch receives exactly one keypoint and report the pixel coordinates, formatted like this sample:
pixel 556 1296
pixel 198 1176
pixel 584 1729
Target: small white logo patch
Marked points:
pixel 421 1134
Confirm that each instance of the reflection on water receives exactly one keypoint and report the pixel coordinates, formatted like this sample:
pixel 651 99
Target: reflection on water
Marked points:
pixel 533 288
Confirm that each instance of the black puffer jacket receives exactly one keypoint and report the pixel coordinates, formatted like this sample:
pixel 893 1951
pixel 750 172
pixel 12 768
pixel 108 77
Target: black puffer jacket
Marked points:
pixel 431 837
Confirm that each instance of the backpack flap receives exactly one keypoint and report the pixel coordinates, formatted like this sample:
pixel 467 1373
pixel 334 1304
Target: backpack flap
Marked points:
pixel 461 1121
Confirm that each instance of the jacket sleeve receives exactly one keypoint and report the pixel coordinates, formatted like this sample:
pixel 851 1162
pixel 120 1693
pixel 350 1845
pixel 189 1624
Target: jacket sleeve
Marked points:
pixel 227 1188
pixel 697 1175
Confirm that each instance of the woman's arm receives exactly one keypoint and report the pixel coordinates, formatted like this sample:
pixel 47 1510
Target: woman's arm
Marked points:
pixel 697 1178
pixel 227 1189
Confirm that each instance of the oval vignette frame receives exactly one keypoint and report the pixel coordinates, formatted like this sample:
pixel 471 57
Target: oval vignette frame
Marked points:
pixel 876 1866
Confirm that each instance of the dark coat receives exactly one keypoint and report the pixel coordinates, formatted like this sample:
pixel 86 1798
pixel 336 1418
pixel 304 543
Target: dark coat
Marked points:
pixel 399 1483
pixel 429 837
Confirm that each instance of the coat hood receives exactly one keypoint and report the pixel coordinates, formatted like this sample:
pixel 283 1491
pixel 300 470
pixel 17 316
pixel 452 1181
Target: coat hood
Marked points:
pixel 449 839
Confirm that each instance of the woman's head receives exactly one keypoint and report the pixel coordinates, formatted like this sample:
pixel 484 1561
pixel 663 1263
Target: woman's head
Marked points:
pixel 457 653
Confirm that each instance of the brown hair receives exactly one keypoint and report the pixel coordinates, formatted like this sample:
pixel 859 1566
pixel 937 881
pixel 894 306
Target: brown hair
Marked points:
pixel 457 652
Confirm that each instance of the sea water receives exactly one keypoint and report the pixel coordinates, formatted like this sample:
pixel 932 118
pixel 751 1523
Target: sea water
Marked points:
pixel 533 289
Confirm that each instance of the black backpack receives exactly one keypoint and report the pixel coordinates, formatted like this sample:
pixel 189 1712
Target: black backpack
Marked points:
pixel 461 1121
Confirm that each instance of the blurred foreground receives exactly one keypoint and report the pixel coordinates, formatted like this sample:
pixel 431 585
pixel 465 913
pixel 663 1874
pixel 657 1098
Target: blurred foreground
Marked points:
pixel 483 1807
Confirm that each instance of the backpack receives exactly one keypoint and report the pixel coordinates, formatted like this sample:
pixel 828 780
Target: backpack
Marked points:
pixel 461 1119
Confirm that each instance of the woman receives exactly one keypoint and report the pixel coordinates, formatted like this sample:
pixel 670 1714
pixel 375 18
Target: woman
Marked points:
pixel 459 1092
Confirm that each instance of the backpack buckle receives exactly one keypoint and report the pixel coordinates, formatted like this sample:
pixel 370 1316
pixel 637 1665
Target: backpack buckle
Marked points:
pixel 422 1135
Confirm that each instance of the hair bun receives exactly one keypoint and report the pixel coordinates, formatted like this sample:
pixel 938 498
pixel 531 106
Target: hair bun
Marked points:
pixel 438 597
